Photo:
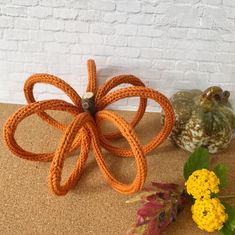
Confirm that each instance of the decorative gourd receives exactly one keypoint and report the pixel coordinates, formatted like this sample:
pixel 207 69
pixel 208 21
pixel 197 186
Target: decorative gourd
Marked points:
pixel 203 119
pixel 85 130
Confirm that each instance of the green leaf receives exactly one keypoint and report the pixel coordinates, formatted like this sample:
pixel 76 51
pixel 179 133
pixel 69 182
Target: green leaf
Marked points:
pixel 199 159
pixel 226 230
pixel 221 172
pixel 230 223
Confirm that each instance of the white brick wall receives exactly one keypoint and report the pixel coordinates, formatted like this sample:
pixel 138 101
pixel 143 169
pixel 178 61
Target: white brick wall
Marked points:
pixel 169 44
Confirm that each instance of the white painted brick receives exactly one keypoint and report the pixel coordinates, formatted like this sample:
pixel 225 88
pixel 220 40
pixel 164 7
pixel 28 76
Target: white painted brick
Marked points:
pixel 65 13
pixel 89 16
pixel 130 6
pixel 6 22
pixel 16 34
pixel 26 23
pixel 54 25
pixel 230 11
pixel 229 37
pixel 102 50
pixel 35 68
pixel 216 15
pixel 80 70
pixel 30 46
pixel 40 12
pixel 126 29
pixel 41 57
pixel 202 45
pixel 169 44
pixel 70 59
pixel 146 19
pixel 39 88
pixel 3 55
pixel 115 17
pixel 18 56
pixel 102 5
pixel 148 8
pixel 189 21
pixel 184 85
pixel 18 97
pixel 18 76
pixel 201 56
pixel 205 34
pixel 74 26
pixel 116 40
pixel 66 37
pixel 59 68
pixel 53 3
pixel 94 50
pixel 4 95
pixel 15 67
pixel 221 77
pixel 102 28
pixel 151 53
pixel 42 36
pixel 81 4
pixel 14 11
pixel 25 2
pixel 127 52
pixel 163 20
pixel 229 3
pixel 212 2
pixel 95 39
pixel 225 58
pixel 172 75
pixel 186 66
pixel 220 21
pixel 139 41
pixel 224 47
pixel 174 54
pixel 228 68
pixel 150 31
pixel 196 76
pixel 8 45
pixel 128 62
pixel 164 65
pixel 83 50
pixel 177 33
pixel 208 67
pixel 56 47
pixel 186 16
pixel 162 7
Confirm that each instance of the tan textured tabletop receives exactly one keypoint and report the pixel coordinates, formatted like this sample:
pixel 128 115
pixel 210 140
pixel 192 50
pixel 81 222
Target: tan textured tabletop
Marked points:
pixel 28 207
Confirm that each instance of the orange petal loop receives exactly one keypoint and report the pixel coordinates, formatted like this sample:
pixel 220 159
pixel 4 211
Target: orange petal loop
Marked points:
pixel 85 132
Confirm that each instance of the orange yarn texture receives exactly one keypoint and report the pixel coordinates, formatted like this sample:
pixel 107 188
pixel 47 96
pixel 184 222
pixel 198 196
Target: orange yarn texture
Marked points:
pixel 85 132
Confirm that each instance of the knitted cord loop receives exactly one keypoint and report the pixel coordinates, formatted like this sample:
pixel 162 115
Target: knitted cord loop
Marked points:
pixel 85 132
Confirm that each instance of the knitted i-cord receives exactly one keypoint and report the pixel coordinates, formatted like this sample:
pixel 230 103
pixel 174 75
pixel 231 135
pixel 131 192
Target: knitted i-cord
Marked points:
pixel 85 130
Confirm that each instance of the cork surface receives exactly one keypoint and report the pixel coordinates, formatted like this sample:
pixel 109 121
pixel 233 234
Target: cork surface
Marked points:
pixel 28 207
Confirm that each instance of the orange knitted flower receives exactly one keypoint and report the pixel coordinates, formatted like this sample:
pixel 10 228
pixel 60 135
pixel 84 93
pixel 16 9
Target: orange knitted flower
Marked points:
pixel 85 129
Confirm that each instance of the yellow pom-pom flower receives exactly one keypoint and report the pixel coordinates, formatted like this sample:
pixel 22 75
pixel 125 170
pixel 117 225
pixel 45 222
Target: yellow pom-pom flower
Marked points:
pixel 202 183
pixel 209 214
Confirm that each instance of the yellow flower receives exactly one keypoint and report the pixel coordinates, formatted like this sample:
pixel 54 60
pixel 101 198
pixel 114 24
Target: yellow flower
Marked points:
pixel 202 183
pixel 209 214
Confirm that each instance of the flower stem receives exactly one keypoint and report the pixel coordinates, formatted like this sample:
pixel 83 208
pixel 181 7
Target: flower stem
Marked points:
pixel 227 196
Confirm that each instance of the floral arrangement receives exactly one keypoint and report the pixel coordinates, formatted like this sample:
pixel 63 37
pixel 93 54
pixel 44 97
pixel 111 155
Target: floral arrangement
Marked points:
pixel 162 203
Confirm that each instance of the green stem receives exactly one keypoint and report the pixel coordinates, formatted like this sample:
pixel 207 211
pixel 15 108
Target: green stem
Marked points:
pixel 227 196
